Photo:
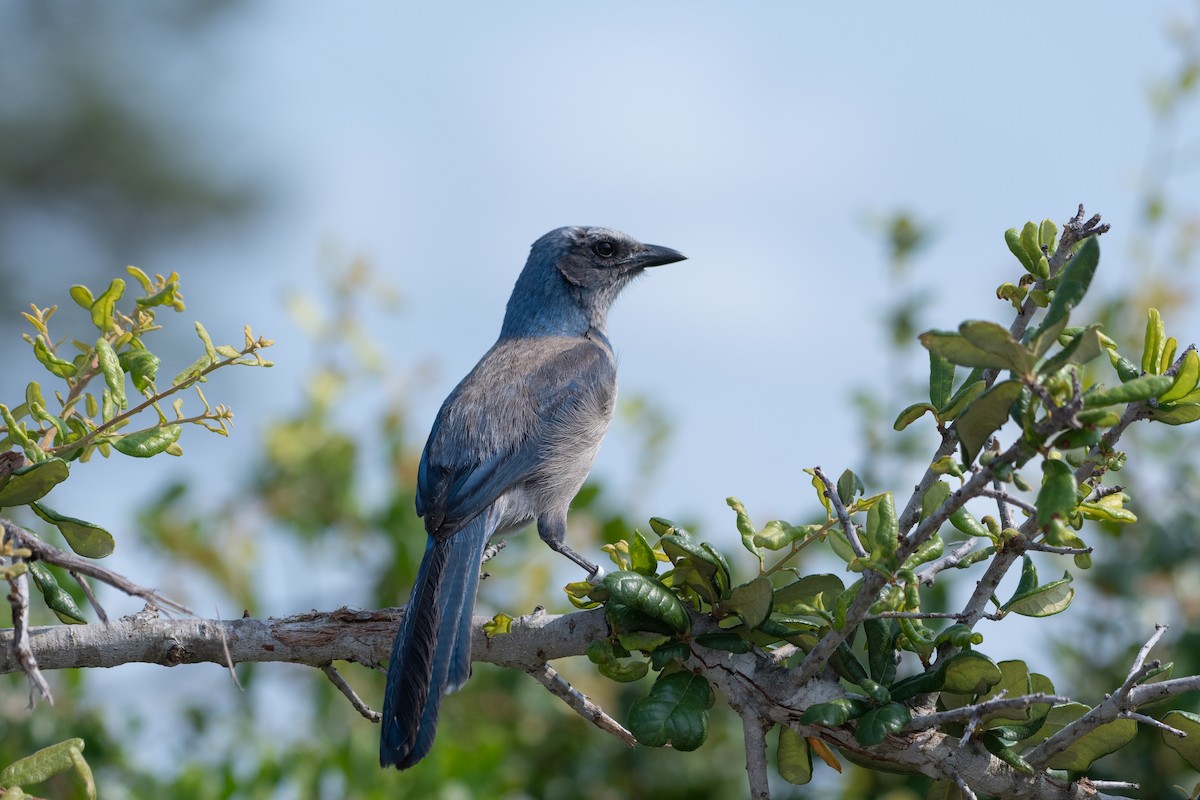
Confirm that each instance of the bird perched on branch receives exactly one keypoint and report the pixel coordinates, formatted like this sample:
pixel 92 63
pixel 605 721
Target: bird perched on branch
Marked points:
pixel 511 444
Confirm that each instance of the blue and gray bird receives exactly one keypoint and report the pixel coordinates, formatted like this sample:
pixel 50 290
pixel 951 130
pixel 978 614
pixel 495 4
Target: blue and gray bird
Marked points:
pixel 511 444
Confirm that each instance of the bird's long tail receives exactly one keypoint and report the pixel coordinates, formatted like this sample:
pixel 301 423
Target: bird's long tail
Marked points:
pixel 432 653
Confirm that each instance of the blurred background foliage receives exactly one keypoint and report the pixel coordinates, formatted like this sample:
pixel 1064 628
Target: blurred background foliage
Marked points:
pixel 118 174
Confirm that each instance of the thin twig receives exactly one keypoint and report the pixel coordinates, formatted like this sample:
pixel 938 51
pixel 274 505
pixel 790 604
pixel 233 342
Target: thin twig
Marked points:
pixel 18 599
pixel 51 554
pixel 1113 707
pixel 1114 784
pixel 1152 722
pixel 228 656
pixel 584 706
pixel 1139 660
pixel 939 718
pixel 927 576
pixel 967 792
pixel 1061 550
pixel 842 515
pixel 90 595
pixel 1005 499
pixel 362 708
pixel 914 615
pixel 1002 506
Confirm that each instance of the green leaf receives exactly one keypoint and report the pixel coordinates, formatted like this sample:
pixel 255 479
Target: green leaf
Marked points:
pixel 641 555
pixel 147 443
pixel 927 551
pixel 103 306
pixel 995 339
pixel 961 399
pixel 142 366
pixel 82 295
pixel 985 416
pixel 1176 415
pixel 1152 350
pixel 1029 576
pixel 601 653
pixel 970 672
pixel 48 762
pixel 941 380
pixel 794 757
pixel 834 713
pixel 664 655
pixel 730 642
pixel 1048 234
pixel 1108 738
pixel 911 414
pixel 933 498
pixel 1073 284
pixel 623 618
pixel 1189 747
pixel 1142 388
pixel 110 367
pixel 1043 601
pixel 647 596
pixel 881 649
pixel 1013 239
pixel 849 486
pixel 883 531
pixel 57 599
pixel 877 723
pixel 1080 350
pixel 745 528
pixel 1186 378
pixel 85 538
pixel 817 590
pixel 1015 681
pixel 59 367
pixel 751 601
pixel 33 482
pixel 914 685
pixel 1029 242
pixel 1057 497
pixel 675 712
pixel 955 348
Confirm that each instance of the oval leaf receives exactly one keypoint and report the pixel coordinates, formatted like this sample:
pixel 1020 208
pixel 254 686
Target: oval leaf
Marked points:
pixel 970 672
pixel 675 712
pixel 751 601
pixel 1188 747
pixel 985 416
pixel 1142 388
pixel 794 757
pixel 147 443
pixel 86 539
pixel 647 596
pixel 877 723
pixel 1044 601
pixel 33 482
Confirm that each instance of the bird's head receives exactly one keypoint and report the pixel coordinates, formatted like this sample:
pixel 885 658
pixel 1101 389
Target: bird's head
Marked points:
pixel 572 277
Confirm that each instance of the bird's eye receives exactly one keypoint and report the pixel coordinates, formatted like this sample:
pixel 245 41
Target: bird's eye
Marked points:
pixel 604 248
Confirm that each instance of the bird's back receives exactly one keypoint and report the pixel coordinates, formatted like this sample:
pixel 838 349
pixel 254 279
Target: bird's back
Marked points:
pixel 526 421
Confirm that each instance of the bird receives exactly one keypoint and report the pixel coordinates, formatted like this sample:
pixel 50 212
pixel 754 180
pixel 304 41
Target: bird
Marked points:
pixel 511 445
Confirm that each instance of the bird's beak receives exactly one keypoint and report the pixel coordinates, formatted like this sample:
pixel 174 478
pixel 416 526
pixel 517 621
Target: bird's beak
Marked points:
pixel 654 256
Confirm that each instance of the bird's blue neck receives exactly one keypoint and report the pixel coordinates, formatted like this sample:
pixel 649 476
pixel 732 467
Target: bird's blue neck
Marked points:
pixel 543 304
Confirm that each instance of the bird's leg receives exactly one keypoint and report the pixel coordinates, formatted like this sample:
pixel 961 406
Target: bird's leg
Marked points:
pixel 552 528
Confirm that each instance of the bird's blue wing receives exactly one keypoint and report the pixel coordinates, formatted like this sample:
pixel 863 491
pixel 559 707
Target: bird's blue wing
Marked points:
pixel 492 431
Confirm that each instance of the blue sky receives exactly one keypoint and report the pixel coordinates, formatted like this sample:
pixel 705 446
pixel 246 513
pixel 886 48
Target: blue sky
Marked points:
pixel 439 140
